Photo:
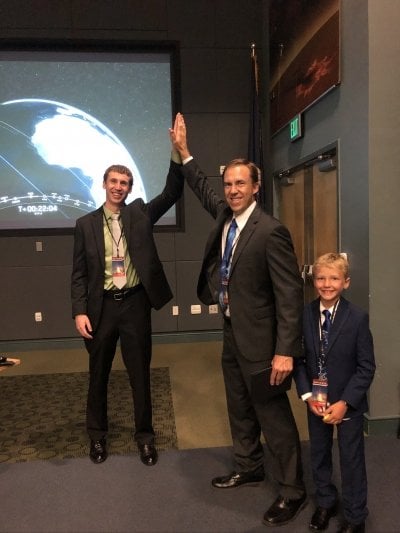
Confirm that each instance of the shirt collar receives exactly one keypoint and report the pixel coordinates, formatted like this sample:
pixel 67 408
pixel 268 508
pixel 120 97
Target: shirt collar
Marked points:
pixel 107 212
pixel 242 219
pixel 331 309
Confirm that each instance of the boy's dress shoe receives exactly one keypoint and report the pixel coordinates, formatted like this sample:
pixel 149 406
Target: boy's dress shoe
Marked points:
pixel 98 451
pixel 352 528
pixel 320 518
pixel 236 479
pixel 148 454
pixel 284 510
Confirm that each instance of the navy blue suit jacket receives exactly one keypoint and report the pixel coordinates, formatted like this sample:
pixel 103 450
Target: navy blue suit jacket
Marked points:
pixel 350 355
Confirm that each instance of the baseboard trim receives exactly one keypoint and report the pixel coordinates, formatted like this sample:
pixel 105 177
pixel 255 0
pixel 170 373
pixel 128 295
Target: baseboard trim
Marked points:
pixel 76 342
pixel 382 426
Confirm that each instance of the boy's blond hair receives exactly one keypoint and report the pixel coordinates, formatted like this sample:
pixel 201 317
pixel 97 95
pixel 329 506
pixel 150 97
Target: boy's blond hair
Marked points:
pixel 335 260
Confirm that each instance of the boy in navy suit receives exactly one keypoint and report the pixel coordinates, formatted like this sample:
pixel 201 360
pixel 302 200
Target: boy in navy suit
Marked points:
pixel 333 378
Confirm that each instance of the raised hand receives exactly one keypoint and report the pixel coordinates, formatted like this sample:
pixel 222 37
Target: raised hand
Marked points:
pixel 178 136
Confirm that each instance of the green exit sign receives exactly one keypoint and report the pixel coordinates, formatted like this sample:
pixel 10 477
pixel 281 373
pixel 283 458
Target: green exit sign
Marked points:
pixel 296 128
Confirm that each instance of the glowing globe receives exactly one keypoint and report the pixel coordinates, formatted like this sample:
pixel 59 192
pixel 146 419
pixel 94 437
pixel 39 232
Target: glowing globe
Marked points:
pixel 52 160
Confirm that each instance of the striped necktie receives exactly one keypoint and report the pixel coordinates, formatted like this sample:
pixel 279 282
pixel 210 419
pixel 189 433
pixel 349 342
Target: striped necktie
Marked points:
pixel 226 265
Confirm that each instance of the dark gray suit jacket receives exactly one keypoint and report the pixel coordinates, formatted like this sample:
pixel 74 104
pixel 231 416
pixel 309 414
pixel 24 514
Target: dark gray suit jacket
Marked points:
pixel 350 355
pixel 138 219
pixel 265 287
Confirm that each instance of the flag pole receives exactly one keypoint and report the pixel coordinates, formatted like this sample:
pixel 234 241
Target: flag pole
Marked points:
pixel 255 148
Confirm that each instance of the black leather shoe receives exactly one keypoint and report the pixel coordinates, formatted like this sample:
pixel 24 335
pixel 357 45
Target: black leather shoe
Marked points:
pixel 284 510
pixel 148 454
pixel 98 451
pixel 320 518
pixel 352 528
pixel 236 479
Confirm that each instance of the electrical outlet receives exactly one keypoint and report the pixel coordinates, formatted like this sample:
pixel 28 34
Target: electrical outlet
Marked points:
pixel 195 309
pixel 38 316
pixel 39 246
pixel 213 309
pixel 175 310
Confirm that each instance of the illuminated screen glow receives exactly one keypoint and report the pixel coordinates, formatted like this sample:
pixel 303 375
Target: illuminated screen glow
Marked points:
pixel 65 116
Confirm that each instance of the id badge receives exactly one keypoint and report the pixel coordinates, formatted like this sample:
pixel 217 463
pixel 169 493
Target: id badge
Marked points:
pixel 118 267
pixel 224 287
pixel 320 393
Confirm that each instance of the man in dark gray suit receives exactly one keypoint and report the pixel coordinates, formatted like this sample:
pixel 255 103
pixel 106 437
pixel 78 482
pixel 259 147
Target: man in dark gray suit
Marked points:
pixel 262 301
pixel 104 313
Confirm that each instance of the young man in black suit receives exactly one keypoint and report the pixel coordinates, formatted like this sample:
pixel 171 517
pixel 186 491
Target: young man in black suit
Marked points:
pixel 260 292
pixel 104 313
pixel 333 378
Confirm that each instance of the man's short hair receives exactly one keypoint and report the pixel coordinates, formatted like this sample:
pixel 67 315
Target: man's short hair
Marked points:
pixel 255 172
pixel 120 169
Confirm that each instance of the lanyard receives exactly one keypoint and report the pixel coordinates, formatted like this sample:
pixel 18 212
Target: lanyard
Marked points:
pixel 111 233
pixel 322 356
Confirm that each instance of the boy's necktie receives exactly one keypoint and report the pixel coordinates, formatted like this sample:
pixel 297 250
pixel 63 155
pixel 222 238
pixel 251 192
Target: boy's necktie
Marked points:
pixel 325 329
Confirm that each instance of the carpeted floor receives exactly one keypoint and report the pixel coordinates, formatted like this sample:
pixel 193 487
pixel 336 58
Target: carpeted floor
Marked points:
pixel 176 496
pixel 43 416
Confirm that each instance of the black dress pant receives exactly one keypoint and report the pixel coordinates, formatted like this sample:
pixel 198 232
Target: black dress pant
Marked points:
pixel 248 419
pixel 130 321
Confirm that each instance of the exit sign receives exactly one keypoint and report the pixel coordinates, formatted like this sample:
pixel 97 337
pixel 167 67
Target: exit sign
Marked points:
pixel 296 128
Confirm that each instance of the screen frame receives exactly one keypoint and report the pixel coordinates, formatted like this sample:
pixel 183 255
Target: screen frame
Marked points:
pixel 171 50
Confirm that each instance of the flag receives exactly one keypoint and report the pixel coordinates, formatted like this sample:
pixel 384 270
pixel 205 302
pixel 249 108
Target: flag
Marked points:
pixel 255 147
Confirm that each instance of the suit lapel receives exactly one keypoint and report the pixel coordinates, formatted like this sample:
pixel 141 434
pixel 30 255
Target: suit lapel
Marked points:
pixel 98 232
pixel 212 253
pixel 213 246
pixel 341 317
pixel 245 235
pixel 130 216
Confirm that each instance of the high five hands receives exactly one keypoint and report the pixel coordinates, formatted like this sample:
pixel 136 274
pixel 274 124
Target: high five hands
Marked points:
pixel 178 137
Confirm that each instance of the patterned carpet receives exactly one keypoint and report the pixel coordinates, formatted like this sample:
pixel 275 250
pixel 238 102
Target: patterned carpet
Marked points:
pixel 43 416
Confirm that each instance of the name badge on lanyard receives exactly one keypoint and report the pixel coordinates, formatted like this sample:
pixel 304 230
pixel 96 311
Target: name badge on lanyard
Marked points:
pixel 320 385
pixel 320 394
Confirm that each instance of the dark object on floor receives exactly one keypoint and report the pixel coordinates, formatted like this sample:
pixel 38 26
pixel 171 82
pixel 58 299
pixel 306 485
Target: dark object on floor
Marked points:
pixel 284 510
pixel 148 454
pixel 352 528
pixel 237 479
pixel 98 451
pixel 320 518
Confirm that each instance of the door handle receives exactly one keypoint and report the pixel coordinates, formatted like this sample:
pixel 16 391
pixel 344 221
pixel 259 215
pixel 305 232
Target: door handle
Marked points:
pixel 306 272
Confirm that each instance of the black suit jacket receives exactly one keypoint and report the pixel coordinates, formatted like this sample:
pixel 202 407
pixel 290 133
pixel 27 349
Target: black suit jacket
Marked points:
pixel 265 287
pixel 138 219
pixel 350 355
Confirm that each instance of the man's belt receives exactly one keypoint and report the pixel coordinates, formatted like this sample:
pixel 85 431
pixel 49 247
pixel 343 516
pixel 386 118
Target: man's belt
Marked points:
pixel 121 294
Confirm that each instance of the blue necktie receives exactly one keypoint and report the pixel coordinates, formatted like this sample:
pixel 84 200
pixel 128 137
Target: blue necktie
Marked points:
pixel 226 265
pixel 326 326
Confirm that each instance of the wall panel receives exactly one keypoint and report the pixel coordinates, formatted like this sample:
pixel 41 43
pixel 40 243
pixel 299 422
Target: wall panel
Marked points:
pixel 215 39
